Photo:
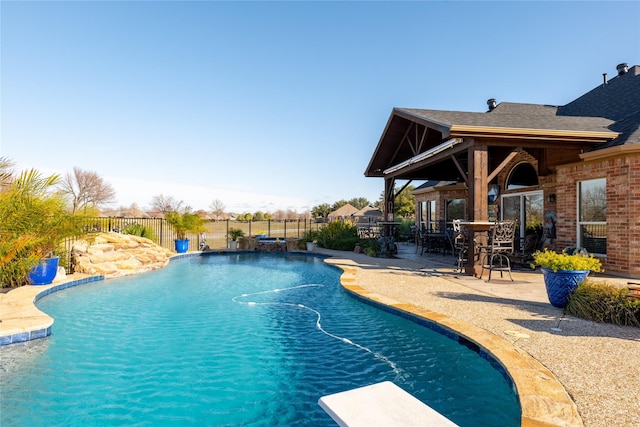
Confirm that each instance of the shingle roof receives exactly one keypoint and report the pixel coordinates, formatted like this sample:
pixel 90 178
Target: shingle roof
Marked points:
pixel 434 183
pixel 518 116
pixel 614 106
pixel 618 100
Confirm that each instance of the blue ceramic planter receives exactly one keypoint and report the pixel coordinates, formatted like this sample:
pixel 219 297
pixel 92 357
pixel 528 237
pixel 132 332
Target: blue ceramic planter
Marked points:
pixel 182 246
pixel 44 272
pixel 561 283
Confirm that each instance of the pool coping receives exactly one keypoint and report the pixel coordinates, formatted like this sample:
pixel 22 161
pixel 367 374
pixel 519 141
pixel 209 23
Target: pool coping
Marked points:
pixel 21 320
pixel 543 399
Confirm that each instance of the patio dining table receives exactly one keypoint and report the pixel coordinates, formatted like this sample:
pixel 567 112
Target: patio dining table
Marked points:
pixel 477 238
pixel 434 241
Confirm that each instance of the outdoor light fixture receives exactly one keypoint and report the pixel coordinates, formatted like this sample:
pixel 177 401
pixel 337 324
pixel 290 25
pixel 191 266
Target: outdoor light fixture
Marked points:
pixel 552 198
pixel 422 156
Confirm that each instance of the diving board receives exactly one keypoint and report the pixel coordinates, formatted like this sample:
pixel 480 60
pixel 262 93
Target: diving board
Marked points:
pixel 381 405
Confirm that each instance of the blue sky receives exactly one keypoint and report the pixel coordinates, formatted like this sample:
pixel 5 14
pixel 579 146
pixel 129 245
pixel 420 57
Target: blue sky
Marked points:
pixel 275 105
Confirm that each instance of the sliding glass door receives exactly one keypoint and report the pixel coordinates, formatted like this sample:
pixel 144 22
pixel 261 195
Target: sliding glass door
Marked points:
pixel 527 209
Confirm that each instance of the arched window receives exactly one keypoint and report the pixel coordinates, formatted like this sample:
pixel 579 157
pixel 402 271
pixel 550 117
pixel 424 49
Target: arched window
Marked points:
pixel 521 176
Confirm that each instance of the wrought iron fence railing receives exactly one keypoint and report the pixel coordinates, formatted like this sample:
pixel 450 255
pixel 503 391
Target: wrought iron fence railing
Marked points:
pixel 214 237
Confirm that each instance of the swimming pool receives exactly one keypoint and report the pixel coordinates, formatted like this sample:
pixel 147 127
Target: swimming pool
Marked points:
pixel 236 339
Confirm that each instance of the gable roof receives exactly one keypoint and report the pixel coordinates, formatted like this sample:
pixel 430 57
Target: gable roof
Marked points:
pixel 345 210
pixel 368 211
pixel 513 117
pixel 415 138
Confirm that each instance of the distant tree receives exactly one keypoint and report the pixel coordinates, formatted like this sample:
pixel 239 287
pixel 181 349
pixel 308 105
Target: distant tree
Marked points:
pixel 280 215
pixel 291 214
pixel 359 202
pixel 405 205
pixel 258 216
pixel 166 204
pixel 86 190
pixel 217 207
pixel 245 217
pixel 305 215
pixel 321 211
pixel 267 217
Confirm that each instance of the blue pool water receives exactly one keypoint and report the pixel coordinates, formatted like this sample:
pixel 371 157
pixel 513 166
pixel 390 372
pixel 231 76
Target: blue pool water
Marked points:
pixel 229 340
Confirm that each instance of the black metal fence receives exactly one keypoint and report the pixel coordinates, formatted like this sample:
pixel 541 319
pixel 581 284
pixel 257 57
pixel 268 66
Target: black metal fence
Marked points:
pixel 214 237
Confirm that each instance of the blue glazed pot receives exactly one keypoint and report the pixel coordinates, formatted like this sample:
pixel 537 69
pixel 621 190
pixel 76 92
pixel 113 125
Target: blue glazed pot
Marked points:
pixel 182 246
pixel 44 272
pixel 561 283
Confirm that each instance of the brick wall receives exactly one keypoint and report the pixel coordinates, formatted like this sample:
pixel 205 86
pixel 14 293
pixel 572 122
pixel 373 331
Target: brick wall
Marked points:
pixel 623 207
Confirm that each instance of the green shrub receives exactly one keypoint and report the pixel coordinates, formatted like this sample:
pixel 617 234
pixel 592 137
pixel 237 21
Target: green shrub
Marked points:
pixel 140 230
pixel 370 247
pixel 602 302
pixel 404 229
pixel 339 235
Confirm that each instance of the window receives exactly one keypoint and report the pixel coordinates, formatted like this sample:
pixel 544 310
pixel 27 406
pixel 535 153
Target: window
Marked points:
pixel 428 215
pixel 455 209
pixel 592 215
pixel 431 209
pixel 423 215
pixel 527 209
pixel 522 176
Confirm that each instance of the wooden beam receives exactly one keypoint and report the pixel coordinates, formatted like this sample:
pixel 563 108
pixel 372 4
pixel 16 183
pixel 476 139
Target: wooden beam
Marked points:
pixel 478 184
pixel 460 169
pixel 502 165
pixel 403 187
pixel 389 198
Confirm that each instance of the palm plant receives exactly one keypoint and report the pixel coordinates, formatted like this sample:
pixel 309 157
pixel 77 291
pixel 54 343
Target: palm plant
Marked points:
pixel 185 222
pixel 34 223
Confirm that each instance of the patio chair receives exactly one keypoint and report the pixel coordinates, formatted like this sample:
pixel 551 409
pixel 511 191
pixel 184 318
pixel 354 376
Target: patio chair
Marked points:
pixel 499 248
pixel 460 244
pixel 524 254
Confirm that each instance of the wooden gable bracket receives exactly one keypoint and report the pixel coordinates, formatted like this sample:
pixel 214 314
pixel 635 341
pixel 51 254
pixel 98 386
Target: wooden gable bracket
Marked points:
pixel 460 169
pixel 415 145
pixel 503 164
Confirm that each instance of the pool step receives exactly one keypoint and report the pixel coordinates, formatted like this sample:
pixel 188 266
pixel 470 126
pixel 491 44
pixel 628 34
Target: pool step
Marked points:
pixel 383 404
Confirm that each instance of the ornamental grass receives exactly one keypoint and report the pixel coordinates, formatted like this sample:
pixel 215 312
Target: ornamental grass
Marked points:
pixel 605 303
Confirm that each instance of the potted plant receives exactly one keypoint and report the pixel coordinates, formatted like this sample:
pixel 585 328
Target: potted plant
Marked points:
pixel 234 234
pixel 34 224
pixel 309 240
pixel 183 223
pixel 563 272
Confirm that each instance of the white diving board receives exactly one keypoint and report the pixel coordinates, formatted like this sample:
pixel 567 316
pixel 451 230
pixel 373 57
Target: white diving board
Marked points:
pixel 381 405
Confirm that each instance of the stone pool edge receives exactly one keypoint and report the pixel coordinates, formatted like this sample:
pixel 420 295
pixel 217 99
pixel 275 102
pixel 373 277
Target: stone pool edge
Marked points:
pixel 21 320
pixel 543 399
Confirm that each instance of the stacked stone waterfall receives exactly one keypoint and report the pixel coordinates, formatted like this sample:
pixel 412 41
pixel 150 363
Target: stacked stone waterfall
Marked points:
pixel 116 255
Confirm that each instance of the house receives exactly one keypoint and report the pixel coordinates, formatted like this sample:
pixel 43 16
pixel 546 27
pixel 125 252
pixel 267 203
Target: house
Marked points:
pixel 367 216
pixel 343 213
pixel 572 171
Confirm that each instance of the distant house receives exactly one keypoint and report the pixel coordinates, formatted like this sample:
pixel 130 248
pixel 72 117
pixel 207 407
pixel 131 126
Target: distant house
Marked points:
pixel 343 213
pixel 572 171
pixel 131 212
pixel 367 216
